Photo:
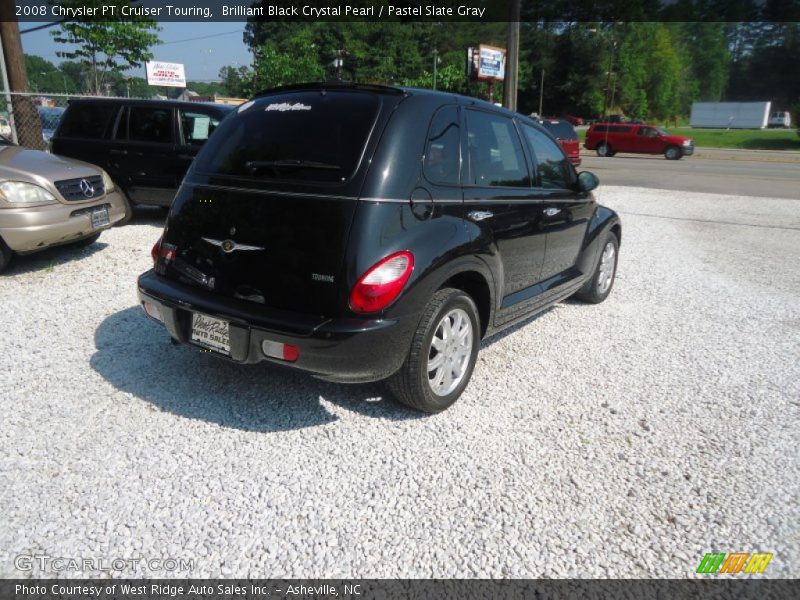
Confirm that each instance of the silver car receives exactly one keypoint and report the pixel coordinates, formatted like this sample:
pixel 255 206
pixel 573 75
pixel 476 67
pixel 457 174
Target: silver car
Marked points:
pixel 48 200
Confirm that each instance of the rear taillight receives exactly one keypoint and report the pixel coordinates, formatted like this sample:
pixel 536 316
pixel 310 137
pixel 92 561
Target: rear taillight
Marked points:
pixel 162 250
pixel 382 283
pixel 155 250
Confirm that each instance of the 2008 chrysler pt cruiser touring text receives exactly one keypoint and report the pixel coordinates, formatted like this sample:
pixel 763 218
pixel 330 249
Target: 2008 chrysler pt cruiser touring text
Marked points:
pixel 362 233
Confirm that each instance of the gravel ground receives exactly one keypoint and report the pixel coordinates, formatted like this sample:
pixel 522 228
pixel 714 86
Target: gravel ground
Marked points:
pixel 619 440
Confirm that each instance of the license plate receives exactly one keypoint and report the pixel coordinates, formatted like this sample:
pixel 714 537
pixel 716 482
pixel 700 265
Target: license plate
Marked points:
pixel 211 333
pixel 100 217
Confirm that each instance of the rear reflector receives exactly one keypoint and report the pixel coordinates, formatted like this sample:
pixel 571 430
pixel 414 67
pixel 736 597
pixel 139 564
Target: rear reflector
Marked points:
pixel 280 351
pixel 153 311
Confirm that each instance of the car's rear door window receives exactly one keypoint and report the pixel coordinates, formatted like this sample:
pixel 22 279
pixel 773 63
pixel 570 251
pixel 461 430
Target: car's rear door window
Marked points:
pixel 496 157
pixel 87 120
pixel 311 136
pixel 443 151
pixel 552 166
pixel 150 124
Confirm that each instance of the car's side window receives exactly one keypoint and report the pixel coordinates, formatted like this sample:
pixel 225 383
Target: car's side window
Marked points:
pixel 87 120
pixel 552 165
pixel 196 127
pixel 146 124
pixel 495 152
pixel 443 150
pixel 647 132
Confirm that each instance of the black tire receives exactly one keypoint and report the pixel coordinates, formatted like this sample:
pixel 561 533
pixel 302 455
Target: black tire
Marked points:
pixel 592 291
pixel 87 241
pixel 604 150
pixel 673 153
pixel 410 385
pixel 6 254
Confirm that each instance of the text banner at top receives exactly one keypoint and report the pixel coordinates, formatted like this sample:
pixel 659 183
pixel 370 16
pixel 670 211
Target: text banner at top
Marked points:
pixel 404 10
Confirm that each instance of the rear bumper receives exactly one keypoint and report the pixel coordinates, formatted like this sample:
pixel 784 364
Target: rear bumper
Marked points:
pixel 344 350
pixel 27 229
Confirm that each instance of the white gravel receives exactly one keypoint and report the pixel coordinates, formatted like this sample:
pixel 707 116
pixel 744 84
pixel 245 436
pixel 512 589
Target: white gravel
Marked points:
pixel 619 440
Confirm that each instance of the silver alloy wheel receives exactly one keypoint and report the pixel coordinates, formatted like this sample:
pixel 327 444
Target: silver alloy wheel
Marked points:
pixel 602 150
pixel 607 263
pixel 672 152
pixel 450 352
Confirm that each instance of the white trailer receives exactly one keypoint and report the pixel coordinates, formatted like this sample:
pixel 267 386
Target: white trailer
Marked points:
pixel 733 115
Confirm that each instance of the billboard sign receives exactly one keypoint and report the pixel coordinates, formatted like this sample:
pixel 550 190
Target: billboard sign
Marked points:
pixel 165 73
pixel 491 62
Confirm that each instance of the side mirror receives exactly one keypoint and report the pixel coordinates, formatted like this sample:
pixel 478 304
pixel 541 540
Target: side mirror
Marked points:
pixel 587 181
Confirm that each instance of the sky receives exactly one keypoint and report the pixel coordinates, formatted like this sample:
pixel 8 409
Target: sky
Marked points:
pixel 221 45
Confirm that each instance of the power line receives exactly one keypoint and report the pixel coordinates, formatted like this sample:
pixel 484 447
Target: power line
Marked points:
pixel 192 39
pixel 40 27
pixel 201 37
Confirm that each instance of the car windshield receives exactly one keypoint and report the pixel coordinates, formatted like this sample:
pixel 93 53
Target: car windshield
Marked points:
pixel 316 135
pixel 662 131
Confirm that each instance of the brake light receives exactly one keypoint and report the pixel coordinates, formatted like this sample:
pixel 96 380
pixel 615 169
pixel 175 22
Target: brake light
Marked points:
pixel 382 283
pixel 155 250
pixel 162 250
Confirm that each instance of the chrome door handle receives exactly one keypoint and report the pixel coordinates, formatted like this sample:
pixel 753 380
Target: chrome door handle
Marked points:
pixel 551 212
pixel 480 215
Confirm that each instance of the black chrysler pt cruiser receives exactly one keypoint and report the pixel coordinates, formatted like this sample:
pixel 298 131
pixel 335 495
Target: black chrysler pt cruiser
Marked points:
pixel 362 233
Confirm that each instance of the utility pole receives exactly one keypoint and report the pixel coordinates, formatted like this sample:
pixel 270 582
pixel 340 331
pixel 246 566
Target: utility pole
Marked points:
pixel 541 94
pixel 25 117
pixel 609 91
pixel 435 65
pixel 512 56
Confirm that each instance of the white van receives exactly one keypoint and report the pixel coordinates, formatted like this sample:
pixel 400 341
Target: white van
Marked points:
pixel 780 119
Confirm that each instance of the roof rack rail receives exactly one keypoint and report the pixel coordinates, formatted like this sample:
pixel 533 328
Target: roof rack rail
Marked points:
pixel 337 84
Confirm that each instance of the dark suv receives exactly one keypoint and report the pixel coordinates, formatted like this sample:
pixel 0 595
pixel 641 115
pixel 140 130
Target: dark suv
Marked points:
pixel 146 146
pixel 362 233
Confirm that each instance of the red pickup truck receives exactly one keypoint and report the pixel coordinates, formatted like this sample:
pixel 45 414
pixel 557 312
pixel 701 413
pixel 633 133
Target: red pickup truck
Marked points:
pixel 609 138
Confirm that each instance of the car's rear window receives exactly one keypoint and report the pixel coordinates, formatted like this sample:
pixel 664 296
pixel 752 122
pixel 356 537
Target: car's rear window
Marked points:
pixel 317 136
pixel 87 120
pixel 560 129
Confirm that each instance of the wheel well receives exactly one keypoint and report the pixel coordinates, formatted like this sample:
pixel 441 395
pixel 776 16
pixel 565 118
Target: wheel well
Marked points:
pixel 617 231
pixel 475 285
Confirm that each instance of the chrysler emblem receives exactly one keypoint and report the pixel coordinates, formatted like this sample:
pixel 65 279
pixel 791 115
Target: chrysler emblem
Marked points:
pixel 229 246
pixel 87 189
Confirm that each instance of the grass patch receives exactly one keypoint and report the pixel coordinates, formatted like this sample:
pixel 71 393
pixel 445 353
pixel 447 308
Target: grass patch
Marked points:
pixel 743 139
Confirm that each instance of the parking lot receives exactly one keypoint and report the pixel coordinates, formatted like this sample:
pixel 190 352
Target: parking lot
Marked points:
pixel 625 439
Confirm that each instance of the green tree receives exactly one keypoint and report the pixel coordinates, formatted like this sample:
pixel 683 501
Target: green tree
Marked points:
pixel 236 81
pixel 296 60
pixel 106 46
pixel 707 58
pixel 44 76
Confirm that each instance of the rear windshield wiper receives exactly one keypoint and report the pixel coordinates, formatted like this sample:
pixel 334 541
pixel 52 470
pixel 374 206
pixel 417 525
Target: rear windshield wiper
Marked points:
pixel 292 162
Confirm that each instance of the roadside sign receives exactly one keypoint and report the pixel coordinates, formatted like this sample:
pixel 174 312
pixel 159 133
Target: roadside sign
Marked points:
pixel 165 73
pixel 491 62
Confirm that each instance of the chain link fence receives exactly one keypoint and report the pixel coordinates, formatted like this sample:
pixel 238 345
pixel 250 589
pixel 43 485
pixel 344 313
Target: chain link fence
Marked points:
pixel 30 119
